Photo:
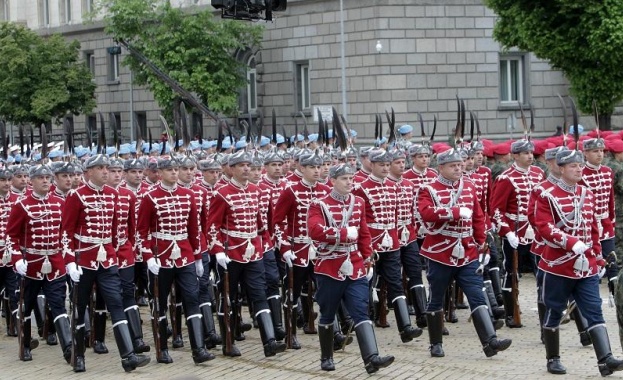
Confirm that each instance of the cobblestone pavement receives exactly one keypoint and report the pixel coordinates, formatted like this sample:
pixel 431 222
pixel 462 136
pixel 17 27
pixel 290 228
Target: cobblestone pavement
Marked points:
pixel 464 357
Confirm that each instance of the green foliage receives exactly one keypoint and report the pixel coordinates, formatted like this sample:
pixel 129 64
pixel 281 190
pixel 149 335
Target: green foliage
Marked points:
pixel 191 46
pixel 584 39
pixel 41 78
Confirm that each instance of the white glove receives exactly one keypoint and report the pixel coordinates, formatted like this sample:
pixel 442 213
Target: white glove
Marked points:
pixel 485 260
pixel 579 248
pixel 21 266
pixel 352 233
pixel 153 266
pixel 74 272
pixel 513 240
pixel 465 213
pixel 370 274
pixel 289 257
pixel 199 267
pixel 222 259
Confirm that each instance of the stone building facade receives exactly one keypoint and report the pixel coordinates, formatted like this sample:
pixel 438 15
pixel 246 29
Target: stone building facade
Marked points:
pixel 414 56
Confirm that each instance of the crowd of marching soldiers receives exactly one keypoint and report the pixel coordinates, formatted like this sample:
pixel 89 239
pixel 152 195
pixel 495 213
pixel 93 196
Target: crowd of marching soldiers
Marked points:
pixel 282 224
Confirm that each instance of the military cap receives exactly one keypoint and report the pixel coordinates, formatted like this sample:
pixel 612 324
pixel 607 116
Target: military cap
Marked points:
pixel 62 167
pixel 564 157
pixel 596 143
pixel 273 157
pixel 97 160
pixel 55 153
pixel 209 164
pixel 550 153
pixel 5 173
pixel 448 156
pixel 124 149
pixel 39 171
pixel 364 150
pixel 416 149
pixel 340 170
pixel 397 154
pixel 522 146
pixel 379 155
pixel 116 163
pixel 239 157
pixel 167 162
pixel 477 146
pixel 20 169
pixel 313 159
pixel 186 161
pixel 133 163
pixel 350 152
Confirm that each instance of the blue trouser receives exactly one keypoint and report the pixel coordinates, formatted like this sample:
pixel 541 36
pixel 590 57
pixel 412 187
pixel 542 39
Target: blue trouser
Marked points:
pixel 205 295
pixel 439 277
pixel 412 263
pixel 186 285
pixel 127 286
pixel 556 291
pixel 539 286
pixel 271 273
pixel 251 276
pixel 8 278
pixel 389 269
pixel 331 292
pixel 523 250
pixel 108 286
pixel 612 269
pixel 54 292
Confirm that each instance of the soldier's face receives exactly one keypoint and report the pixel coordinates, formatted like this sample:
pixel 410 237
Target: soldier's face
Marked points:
pixel 324 173
pixel 469 163
pixel 63 181
pixel 397 167
pixel 274 170
pixel 421 161
pixel 41 184
pixel 451 171
pixel 115 175
pixel 352 161
pixel 571 173
pixel 240 172
pixel 5 185
pixel 169 176
pixel 478 159
pixel 153 175
pixel 343 184
pixel 134 177
pixel 594 156
pixel 211 176
pixel 20 181
pixel 553 168
pixel 76 180
pixel 380 169
pixel 311 173
pixel 255 174
pixel 98 175
pixel 523 159
pixel 186 174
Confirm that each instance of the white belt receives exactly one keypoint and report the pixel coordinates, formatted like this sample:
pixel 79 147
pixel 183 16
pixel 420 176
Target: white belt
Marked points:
pixel 41 252
pixel 403 223
pixel 2 243
pixel 240 235
pixel 462 235
pixel 93 240
pixel 122 241
pixel 169 237
pixel 379 226
pixel 513 217
pixel 302 240
pixel 601 216
pixel 345 248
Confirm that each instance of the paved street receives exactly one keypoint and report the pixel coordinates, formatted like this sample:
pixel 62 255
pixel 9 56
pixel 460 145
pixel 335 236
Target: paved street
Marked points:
pixel 464 357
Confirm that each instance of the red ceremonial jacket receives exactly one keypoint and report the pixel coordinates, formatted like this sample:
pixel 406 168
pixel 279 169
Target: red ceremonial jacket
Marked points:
pixel 167 226
pixel 565 215
pixel 405 210
pixel 480 183
pixel 418 180
pixel 234 221
pixel 360 175
pixel 126 227
pixel 89 226
pixel 540 190
pixel 6 203
pixel 327 229
pixel 600 181
pixel 509 201
pixel 438 209
pixel 33 233
pixel 201 199
pixel 290 219
pixel 269 194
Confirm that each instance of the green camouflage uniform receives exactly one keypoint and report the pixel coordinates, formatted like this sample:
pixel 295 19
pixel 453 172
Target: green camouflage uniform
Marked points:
pixel 617 169
pixel 498 168
pixel 542 166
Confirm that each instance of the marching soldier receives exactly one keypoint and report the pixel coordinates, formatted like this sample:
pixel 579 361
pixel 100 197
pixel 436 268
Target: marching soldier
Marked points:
pixel 89 240
pixel 566 219
pixel 19 182
pixel 509 207
pixel 33 243
pixel 233 224
pixel 290 220
pixel 337 225
pixel 454 245
pixel 168 238
pixel 8 280
pixel 380 198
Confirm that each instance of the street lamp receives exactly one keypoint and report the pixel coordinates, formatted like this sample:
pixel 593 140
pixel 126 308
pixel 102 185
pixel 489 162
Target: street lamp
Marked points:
pixel 379 46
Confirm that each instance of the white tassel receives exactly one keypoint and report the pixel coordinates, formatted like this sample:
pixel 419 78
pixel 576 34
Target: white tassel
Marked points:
pixel 176 252
pixel 249 251
pixel 404 237
pixel 101 254
pixel 46 267
pixel 387 241
pixel 458 252
pixel 6 257
pixel 529 235
pixel 312 252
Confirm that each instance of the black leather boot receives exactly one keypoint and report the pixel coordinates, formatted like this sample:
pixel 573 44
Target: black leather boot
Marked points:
pixel 606 362
pixel 491 345
pixel 63 329
pixel 136 330
pixel 325 335
pixel 79 365
pixel 496 283
pixel 581 324
pixel 497 323
pixel 129 360
pixel 340 340
pixel 435 333
pixel 195 335
pixel 28 341
pixel 274 304
pixel 12 322
pixel 99 324
pixel 267 332
pixel 211 338
pixel 346 321
pixel 418 295
pixel 178 340
pixel 541 309
pixel 164 356
pixel 369 349
pixel 407 332
pixel 509 308
pixel 51 339
pixel 551 338
pixel 497 311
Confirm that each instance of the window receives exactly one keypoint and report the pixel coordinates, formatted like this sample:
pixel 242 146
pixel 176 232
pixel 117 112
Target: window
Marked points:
pixel 512 78
pixel 197 124
pixel 303 88
pixel 65 9
pixel 44 12
pixel 89 58
pixel 113 67
pixel 251 85
pixel 119 129
pixel 92 127
pixel 4 10
pixel 87 6
pixel 141 121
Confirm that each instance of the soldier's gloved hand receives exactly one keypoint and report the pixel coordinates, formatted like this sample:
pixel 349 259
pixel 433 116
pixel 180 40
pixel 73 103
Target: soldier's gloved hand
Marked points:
pixel 289 257
pixel 222 259
pixel 579 248
pixel 199 267
pixel 465 213
pixel 153 266
pixel 513 240
pixel 21 266
pixel 74 272
pixel 370 274
pixel 352 233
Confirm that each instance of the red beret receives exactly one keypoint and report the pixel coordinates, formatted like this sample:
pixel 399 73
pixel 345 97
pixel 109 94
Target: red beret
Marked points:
pixel 614 145
pixel 539 147
pixel 440 147
pixel 502 149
